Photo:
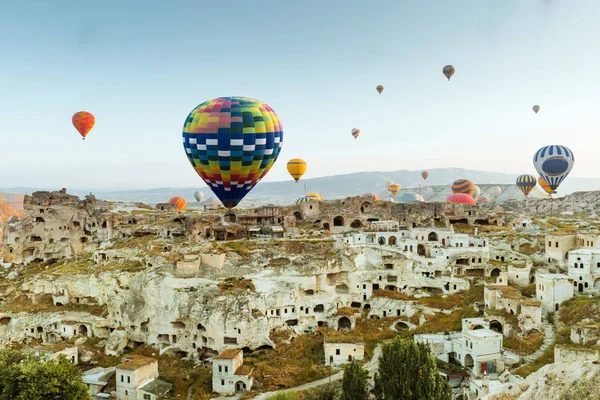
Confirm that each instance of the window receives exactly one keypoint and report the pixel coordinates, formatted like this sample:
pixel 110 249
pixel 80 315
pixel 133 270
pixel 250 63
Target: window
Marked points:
pixel 126 392
pixel 147 397
pixel 226 369
pixel 556 244
pixel 128 379
pixel 220 368
pixel 549 244
pixel 122 378
pixel 337 352
pixel 222 382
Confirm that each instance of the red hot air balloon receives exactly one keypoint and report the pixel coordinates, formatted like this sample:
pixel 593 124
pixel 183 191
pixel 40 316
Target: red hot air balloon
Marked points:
pixel 83 121
pixel 461 198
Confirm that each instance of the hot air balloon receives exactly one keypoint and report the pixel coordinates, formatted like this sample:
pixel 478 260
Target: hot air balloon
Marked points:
pixel 198 195
pixel 388 184
pixel 296 167
pixel 536 108
pixel 315 196
pixel 178 201
pixel 463 186
pixel 554 163
pixel 424 175
pixel 394 188
pixel 476 192
pixel 496 190
pixel 526 183
pixel 483 199
pixel 389 200
pixel 304 199
pixel 380 88
pixel 232 143
pixel 373 195
pixel 448 71
pixel 355 133
pixel 544 185
pixel 461 198
pixel 83 121
pixel 410 198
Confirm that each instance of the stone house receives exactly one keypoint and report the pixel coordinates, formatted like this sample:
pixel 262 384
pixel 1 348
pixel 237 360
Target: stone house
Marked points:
pixel 338 353
pixel 552 289
pixel 585 334
pixel 558 246
pixel 69 329
pixel 135 376
pixel 229 375
pixel 98 378
pixel 584 269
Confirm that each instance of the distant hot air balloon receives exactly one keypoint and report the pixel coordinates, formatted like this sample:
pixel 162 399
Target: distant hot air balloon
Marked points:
pixel 355 133
pixel 545 185
pixel 380 88
pixel 373 195
pixel 461 198
pixel 232 143
pixel 388 184
pixel 394 188
pixel 448 71
pixel 83 121
pixel 536 108
pixel 315 195
pixel 496 190
pixel 198 195
pixel 304 199
pixel 409 198
pixel 296 167
pixel 463 186
pixel 554 163
pixel 526 183
pixel 424 175
pixel 389 200
pixel 483 199
pixel 178 201
pixel 476 192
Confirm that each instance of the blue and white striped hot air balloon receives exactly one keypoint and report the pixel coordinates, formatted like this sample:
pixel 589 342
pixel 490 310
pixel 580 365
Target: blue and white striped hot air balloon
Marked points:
pixel 554 163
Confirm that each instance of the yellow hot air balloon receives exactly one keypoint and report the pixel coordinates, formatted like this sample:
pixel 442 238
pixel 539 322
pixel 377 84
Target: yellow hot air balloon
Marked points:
pixel 296 167
pixel 380 88
pixel 394 188
pixel 315 196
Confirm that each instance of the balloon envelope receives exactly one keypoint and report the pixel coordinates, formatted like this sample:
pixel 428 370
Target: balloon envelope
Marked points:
pixel 476 192
pixel 536 108
pixel 389 200
pixel 424 175
pixel 461 198
pixel 409 198
pixel 526 183
pixel 448 71
pixel 304 199
pixel 83 121
pixel 178 201
pixel 463 186
pixel 355 132
pixel 198 196
pixel 496 190
pixel 554 163
pixel 483 199
pixel 380 88
pixel 373 195
pixel 315 196
pixel 296 167
pixel 394 188
pixel 232 143
pixel 544 185
pixel 388 184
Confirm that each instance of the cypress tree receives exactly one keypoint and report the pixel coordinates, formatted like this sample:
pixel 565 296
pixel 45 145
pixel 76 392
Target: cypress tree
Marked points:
pixel 355 382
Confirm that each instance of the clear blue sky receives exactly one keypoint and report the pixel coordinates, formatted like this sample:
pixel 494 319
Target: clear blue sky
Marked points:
pixel 141 66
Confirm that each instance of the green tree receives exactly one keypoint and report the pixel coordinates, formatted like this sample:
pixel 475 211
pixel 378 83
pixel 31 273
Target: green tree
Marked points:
pixel 408 371
pixel 355 382
pixel 28 378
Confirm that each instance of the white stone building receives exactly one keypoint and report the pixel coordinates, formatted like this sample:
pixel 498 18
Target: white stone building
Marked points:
pixel 584 269
pixel 137 379
pixel 229 375
pixel 552 289
pixel 343 353
pixel 559 246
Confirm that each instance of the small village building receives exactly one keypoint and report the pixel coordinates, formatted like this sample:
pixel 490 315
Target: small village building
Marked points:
pixel 339 353
pixel 229 375
pixel 584 269
pixel 558 246
pixel 133 377
pixel 97 379
pixel 552 289
pixel 69 329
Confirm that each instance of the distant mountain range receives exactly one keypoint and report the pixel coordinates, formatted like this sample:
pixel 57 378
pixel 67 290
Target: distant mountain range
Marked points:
pixel 435 188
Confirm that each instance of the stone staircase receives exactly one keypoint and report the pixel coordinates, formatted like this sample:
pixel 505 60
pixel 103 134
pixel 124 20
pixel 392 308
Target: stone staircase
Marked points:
pixel 548 340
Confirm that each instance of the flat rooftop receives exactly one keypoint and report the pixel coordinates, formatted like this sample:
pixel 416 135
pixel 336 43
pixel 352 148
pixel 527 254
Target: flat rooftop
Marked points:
pixel 135 362
pixel 482 333
pixel 228 354
pixel 552 276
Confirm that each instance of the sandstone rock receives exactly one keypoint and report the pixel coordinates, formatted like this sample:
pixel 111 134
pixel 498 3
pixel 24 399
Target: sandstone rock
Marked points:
pixel 80 341
pixel 115 343
pixel 13 275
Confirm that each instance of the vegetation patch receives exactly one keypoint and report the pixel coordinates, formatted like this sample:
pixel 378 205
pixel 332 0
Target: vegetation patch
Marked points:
pixel 232 285
pixel 525 345
pixel 546 358
pixel 578 309
pixel 44 303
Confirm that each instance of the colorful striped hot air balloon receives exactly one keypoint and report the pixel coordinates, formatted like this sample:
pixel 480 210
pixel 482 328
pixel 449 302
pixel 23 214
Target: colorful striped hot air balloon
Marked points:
pixel 296 167
pixel 232 143
pixel 496 190
pixel 461 198
pixel 178 201
pixel 554 163
pixel 394 188
pixel 483 199
pixel 463 186
pixel 83 121
pixel 355 133
pixel 373 195
pixel 476 192
pixel 544 185
pixel 526 183
pixel 304 199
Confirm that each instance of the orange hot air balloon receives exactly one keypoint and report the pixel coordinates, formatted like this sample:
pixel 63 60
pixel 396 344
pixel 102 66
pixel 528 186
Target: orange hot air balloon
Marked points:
pixel 424 175
pixel 83 121
pixel 545 185
pixel 178 201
